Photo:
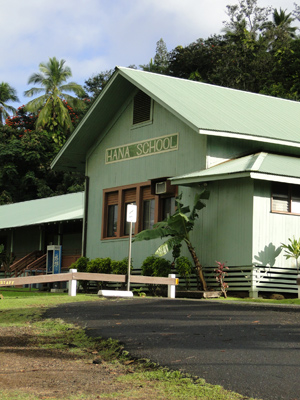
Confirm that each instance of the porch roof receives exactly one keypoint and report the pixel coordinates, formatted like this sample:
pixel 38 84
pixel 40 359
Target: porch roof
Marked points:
pixel 265 166
pixel 49 210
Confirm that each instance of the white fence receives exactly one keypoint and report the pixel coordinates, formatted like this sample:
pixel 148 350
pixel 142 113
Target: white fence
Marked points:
pixel 256 279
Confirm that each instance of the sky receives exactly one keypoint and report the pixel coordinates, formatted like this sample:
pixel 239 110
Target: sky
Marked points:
pixel 97 35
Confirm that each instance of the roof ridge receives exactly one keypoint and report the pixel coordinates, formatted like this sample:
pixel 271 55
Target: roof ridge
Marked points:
pixel 257 161
pixel 120 68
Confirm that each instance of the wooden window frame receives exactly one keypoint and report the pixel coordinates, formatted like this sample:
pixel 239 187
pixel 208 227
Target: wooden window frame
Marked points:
pixel 140 197
pixel 289 198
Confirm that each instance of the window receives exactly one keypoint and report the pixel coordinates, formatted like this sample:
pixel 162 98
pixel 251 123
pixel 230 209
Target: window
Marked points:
pixel 141 108
pixel 286 198
pixel 168 207
pixel 129 198
pixel 112 214
pixel 151 208
pixel 148 208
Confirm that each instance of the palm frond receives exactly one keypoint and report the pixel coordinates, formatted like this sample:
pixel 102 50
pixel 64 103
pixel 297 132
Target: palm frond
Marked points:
pixel 198 203
pixel 36 78
pixel 149 234
pixel 45 114
pixel 36 104
pixel 33 91
pixel 168 246
pixel 73 88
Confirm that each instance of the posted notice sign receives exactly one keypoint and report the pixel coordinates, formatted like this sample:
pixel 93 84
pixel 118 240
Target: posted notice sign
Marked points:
pixel 131 213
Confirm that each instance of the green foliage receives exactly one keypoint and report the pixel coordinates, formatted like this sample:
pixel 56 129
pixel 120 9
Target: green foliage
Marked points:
pixel 292 250
pixel 156 266
pixel 184 268
pixel 160 63
pixel 25 157
pixel 53 113
pixel 7 93
pixel 100 265
pixel 96 83
pixel 176 229
pixel 120 267
pixel 177 226
pixel 80 264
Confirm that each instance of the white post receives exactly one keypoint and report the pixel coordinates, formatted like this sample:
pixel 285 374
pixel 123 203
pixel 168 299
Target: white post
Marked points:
pixel 253 292
pixel 298 285
pixel 172 288
pixel 129 258
pixel 72 284
pixel 130 217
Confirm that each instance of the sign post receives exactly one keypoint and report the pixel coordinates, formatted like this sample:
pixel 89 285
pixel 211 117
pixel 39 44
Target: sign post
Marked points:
pixel 131 217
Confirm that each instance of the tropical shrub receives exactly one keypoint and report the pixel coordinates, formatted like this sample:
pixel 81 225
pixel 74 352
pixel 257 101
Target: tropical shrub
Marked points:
pixel 100 265
pixel 292 250
pixel 156 266
pixel 176 229
pixel 220 276
pixel 120 267
pixel 184 268
pixel 80 264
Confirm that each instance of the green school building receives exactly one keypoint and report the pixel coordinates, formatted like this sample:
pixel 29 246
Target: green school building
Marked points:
pixel 149 137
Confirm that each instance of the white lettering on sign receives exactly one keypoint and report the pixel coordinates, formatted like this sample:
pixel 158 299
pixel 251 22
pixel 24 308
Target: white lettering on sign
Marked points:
pixel 143 148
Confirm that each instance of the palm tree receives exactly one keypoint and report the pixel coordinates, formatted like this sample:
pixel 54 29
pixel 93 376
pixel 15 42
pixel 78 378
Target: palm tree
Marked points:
pixel 7 93
pixel 279 31
pixel 176 229
pixel 282 21
pixel 50 106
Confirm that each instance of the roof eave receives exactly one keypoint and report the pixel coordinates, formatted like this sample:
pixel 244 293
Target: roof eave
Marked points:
pixel 186 181
pixel 245 136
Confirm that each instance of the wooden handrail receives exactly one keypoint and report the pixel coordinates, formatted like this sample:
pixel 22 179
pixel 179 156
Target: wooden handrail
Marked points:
pixel 18 267
pixel 39 263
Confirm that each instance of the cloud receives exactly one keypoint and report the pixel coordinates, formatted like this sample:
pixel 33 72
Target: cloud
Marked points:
pixel 96 35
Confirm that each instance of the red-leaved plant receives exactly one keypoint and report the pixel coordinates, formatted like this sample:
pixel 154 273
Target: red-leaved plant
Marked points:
pixel 220 275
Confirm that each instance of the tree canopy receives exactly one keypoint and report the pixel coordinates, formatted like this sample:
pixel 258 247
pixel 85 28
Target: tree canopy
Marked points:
pixel 51 106
pixel 7 93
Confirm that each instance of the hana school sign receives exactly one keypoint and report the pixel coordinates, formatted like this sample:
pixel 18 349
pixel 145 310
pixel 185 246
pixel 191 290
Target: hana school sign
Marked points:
pixel 143 148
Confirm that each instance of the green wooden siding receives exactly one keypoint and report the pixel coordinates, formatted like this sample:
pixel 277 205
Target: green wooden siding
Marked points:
pixel 226 228
pixel 271 229
pixel 190 154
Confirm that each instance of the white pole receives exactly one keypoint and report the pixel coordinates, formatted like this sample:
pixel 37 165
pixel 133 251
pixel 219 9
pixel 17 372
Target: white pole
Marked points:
pixel 72 284
pixel 129 258
pixel 172 288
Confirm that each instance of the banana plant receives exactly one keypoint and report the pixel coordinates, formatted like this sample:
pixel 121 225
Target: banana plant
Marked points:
pixel 176 229
pixel 292 250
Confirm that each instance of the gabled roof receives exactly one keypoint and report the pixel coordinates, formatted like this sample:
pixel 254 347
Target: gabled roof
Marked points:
pixel 51 209
pixel 265 166
pixel 208 109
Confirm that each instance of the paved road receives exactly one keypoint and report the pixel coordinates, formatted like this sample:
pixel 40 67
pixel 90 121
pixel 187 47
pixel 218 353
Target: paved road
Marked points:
pixel 253 350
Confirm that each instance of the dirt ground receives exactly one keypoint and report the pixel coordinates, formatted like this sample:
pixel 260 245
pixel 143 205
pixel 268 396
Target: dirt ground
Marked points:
pixel 52 373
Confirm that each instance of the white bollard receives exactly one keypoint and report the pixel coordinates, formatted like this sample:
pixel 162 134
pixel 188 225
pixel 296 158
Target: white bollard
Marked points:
pixel 172 288
pixel 72 284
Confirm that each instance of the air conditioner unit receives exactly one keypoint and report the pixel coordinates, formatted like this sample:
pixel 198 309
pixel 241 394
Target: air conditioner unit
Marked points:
pixel 161 187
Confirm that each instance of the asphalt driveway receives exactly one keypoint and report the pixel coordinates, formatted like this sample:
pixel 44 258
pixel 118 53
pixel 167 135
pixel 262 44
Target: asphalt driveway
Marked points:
pixel 251 349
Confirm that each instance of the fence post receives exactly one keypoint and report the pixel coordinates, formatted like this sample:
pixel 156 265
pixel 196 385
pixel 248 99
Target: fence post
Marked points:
pixel 172 288
pixel 298 285
pixel 253 292
pixel 72 284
